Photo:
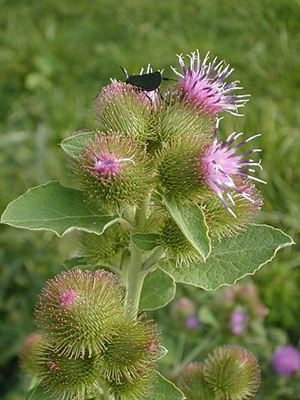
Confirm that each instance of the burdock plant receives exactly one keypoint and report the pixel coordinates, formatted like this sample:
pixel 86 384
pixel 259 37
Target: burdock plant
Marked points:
pixel 159 199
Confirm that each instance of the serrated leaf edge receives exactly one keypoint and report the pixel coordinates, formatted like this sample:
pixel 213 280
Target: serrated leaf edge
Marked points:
pixel 68 230
pixel 249 273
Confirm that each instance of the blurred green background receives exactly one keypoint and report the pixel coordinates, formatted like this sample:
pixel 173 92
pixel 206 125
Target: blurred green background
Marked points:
pixel 54 58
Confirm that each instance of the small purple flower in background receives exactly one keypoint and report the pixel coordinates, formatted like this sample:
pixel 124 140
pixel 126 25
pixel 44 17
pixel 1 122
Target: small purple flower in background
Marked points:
pixel 192 322
pixel 220 164
pixel 262 311
pixel 184 307
pixel 238 322
pixel 203 84
pixel 286 360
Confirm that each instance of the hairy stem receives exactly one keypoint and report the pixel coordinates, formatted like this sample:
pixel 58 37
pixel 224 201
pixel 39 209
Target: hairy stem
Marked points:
pixel 135 278
pixel 190 357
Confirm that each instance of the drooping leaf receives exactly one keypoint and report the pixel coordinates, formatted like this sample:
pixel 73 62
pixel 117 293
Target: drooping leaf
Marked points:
pixel 232 258
pixel 74 145
pixel 58 209
pixel 158 290
pixel 164 390
pixel 191 221
pixel 145 241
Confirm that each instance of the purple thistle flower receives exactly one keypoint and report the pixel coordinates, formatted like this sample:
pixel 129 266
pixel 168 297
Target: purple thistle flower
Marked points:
pixel 203 84
pixel 106 165
pixel 237 322
pixel 192 322
pixel 220 164
pixel 286 360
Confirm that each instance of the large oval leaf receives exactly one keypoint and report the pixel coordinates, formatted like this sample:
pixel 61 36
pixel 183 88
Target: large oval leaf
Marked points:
pixel 158 290
pixel 56 208
pixel 191 221
pixel 232 258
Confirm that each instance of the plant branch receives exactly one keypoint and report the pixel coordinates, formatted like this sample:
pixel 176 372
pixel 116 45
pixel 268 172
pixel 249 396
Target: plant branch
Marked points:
pixel 190 357
pixel 153 259
pixel 134 279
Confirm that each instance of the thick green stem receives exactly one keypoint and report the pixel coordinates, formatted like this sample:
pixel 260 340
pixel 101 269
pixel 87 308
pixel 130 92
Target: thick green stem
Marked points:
pixel 190 357
pixel 135 278
pixel 141 213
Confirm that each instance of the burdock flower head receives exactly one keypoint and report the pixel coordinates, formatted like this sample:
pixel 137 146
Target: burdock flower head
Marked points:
pixel 65 378
pixel 204 86
pixel 221 166
pixel 122 108
pixel 114 170
pixel 192 382
pixel 78 311
pixel 232 373
pixel 29 352
pixel 132 354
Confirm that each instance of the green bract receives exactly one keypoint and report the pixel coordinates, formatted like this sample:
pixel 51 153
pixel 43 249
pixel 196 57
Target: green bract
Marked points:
pixel 193 384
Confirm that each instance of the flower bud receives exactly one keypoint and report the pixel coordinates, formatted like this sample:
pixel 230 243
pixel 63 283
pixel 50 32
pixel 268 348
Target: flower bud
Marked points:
pixel 124 109
pixel 125 390
pixel 95 249
pixel 220 222
pixel 78 311
pixel 192 382
pixel 176 118
pixel 178 167
pixel 132 353
pixel 29 352
pixel 176 245
pixel 65 378
pixel 232 372
pixel 114 170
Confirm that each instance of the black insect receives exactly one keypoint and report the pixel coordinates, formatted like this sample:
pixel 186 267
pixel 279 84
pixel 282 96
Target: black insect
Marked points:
pixel 146 82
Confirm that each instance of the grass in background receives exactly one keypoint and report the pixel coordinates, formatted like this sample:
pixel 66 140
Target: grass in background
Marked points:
pixel 55 57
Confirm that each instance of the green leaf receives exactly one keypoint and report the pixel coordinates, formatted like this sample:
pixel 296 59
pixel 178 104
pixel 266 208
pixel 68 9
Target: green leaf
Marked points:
pixel 232 258
pixel 145 241
pixel 191 221
pixel 165 390
pixel 74 145
pixel 158 290
pixel 38 393
pixel 57 209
